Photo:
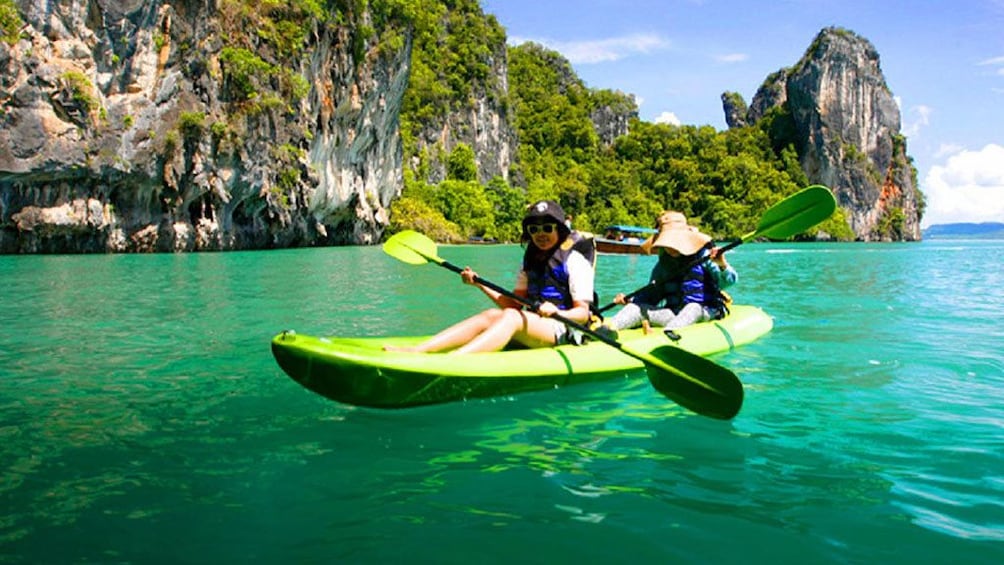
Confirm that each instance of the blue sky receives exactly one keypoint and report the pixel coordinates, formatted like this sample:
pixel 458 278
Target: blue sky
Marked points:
pixel 943 61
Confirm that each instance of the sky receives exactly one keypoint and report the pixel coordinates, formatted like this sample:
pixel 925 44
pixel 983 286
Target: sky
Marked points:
pixel 942 60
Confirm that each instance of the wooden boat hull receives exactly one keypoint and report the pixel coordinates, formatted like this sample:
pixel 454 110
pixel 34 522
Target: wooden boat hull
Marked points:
pixel 621 247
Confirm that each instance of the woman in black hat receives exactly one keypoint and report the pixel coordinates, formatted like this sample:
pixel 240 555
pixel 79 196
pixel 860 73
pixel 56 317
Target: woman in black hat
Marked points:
pixel 557 273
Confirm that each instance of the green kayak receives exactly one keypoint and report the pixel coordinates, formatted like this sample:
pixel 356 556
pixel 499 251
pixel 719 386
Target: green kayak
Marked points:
pixel 358 371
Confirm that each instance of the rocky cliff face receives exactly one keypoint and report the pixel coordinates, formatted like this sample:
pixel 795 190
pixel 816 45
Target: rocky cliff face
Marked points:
pixel 612 121
pixel 846 128
pixel 484 124
pixel 179 125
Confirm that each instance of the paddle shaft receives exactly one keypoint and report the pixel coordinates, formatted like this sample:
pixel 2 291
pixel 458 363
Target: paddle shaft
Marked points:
pixel 698 403
pixel 526 302
pixel 690 380
pixel 794 214
pixel 687 267
pixel 644 358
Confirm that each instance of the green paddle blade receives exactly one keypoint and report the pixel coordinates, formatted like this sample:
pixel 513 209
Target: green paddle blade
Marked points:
pixel 797 213
pixel 411 247
pixel 718 393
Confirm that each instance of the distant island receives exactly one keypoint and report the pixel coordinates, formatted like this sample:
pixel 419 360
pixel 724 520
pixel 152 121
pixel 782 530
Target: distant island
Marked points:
pixel 984 230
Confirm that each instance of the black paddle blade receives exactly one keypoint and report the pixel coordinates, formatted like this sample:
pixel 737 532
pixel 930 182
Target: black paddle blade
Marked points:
pixel 719 394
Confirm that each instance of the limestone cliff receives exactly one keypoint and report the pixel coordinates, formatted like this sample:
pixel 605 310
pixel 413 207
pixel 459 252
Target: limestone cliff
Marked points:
pixel 612 114
pixel 840 114
pixel 178 125
pixel 482 125
pixel 475 112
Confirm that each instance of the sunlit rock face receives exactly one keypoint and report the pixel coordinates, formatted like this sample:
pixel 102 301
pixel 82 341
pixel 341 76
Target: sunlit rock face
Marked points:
pixel 848 134
pixel 136 126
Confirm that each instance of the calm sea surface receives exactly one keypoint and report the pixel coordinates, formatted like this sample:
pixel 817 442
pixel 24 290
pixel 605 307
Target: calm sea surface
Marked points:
pixel 143 419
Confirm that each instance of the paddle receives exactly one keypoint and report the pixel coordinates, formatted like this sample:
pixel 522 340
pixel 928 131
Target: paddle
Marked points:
pixel 689 380
pixel 791 216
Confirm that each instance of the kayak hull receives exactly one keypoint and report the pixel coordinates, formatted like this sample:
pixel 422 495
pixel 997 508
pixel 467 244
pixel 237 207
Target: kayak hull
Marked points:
pixel 359 372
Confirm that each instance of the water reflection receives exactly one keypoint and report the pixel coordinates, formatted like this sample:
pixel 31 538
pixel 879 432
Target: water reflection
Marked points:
pixel 138 396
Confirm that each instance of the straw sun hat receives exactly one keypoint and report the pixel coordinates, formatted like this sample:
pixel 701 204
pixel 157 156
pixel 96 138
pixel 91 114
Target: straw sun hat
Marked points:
pixel 676 234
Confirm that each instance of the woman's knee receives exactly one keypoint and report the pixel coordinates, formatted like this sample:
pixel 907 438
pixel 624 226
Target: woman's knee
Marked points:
pixel 629 316
pixel 632 308
pixel 512 317
pixel 491 316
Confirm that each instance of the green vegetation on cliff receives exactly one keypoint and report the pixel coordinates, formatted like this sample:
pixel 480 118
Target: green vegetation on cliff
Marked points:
pixel 564 147
pixel 723 181
pixel 266 53
pixel 10 22
pixel 452 68
pixel 451 63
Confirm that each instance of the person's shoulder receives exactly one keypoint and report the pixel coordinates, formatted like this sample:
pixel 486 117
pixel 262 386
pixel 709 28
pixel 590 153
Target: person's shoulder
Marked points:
pixel 576 255
pixel 577 262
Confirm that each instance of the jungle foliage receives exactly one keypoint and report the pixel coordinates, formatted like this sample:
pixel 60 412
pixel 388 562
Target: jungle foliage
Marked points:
pixel 10 22
pixel 722 180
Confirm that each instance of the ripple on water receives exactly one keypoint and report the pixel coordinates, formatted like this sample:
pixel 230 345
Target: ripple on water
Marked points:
pixel 149 406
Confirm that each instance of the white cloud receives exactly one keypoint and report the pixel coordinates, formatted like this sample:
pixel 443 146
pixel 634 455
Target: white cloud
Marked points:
pixel 916 118
pixel 732 58
pixel 948 149
pixel 968 187
pixel 994 62
pixel 667 118
pixel 602 50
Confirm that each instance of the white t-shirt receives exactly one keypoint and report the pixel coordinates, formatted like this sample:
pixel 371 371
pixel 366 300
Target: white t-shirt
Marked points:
pixel 580 277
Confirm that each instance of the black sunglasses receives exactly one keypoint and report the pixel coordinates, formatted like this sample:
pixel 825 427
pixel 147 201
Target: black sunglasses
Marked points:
pixel 533 229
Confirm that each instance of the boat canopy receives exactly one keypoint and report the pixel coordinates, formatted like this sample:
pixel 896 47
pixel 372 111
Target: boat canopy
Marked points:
pixel 630 229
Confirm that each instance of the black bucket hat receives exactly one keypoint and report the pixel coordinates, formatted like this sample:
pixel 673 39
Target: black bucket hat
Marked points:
pixel 545 209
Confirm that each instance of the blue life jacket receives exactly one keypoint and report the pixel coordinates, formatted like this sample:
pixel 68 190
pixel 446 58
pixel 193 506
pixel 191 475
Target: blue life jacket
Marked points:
pixel 698 284
pixel 548 281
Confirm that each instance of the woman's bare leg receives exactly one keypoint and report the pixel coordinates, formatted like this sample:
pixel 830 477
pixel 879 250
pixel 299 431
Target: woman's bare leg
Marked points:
pixel 496 335
pixel 456 335
pixel 526 327
pixel 490 330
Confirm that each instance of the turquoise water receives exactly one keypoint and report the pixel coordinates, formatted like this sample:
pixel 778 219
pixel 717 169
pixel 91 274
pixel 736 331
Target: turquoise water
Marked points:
pixel 143 420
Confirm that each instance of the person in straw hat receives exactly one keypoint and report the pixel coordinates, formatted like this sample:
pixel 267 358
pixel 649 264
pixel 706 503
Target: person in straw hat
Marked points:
pixel 686 283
